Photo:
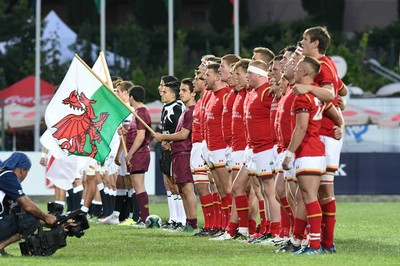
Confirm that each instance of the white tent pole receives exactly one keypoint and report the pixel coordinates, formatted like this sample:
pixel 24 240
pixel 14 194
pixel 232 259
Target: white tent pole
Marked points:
pixel 14 139
pixel 103 26
pixel 37 75
pixel 171 37
pixel 236 26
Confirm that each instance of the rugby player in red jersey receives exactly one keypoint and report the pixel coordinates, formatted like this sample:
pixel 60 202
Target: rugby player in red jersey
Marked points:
pixel 315 43
pixel 226 195
pixel 257 120
pixel 216 159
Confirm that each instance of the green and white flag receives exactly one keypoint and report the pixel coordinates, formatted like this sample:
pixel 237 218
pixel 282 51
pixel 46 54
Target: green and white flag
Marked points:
pixel 82 116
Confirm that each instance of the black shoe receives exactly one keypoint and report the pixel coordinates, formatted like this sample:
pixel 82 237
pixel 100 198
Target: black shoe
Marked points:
pixel 204 232
pixel 3 253
pixel 330 250
pixel 168 225
pixel 218 233
pixel 288 247
pixel 178 227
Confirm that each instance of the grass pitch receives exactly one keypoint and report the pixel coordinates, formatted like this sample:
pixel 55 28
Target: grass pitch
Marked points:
pixel 366 234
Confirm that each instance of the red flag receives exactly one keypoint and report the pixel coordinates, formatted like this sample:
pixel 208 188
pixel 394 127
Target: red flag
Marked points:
pixel 233 11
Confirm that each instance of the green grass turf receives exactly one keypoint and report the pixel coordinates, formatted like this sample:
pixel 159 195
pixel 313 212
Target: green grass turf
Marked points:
pixel 366 234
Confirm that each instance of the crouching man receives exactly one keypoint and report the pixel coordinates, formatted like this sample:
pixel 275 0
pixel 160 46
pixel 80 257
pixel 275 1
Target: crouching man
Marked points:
pixel 18 214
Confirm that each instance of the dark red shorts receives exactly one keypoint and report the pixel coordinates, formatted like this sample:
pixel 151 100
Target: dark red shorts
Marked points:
pixel 181 172
pixel 140 162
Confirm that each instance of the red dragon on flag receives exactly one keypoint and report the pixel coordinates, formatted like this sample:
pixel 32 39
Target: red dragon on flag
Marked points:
pixel 75 128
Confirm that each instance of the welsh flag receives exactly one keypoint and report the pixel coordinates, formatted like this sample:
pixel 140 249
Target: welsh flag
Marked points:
pixel 82 116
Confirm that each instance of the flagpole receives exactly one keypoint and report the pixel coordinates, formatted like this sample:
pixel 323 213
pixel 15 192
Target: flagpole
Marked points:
pixel 115 95
pixel 103 62
pixel 102 25
pixel 123 144
pixel 37 76
pixel 171 37
pixel 236 26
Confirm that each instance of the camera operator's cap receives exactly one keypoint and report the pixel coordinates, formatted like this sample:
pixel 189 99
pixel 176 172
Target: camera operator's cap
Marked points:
pixel 17 160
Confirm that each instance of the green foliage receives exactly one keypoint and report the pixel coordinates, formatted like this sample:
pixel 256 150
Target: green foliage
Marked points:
pixel 385 44
pixel 222 20
pixel 326 13
pixel 19 60
pixel 358 73
pixel 274 35
pixel 53 70
pixel 82 12
pixel 151 14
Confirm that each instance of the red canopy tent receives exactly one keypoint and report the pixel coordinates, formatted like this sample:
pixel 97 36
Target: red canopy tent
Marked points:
pixel 19 101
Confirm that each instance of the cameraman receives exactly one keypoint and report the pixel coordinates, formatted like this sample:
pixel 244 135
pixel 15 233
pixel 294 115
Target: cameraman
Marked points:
pixel 18 214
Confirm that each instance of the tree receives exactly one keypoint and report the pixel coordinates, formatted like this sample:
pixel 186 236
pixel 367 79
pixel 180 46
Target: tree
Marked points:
pixel 154 13
pixel 221 14
pixel 18 60
pixel 328 12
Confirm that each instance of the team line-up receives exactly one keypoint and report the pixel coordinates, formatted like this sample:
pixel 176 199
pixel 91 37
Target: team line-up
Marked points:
pixel 256 139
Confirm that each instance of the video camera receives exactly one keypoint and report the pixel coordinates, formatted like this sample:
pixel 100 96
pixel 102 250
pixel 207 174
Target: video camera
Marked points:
pixel 46 242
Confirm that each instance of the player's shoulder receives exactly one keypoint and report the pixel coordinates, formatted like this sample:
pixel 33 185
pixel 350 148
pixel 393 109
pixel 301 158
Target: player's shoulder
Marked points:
pixel 305 98
pixel 327 64
pixel 265 93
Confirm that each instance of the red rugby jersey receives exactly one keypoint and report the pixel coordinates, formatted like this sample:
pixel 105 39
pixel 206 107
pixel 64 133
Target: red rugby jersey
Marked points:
pixel 238 126
pixel 227 115
pixel 328 75
pixel 311 144
pixel 258 118
pixel 272 115
pixel 282 123
pixel 245 111
pixel 214 107
pixel 204 101
pixel 196 127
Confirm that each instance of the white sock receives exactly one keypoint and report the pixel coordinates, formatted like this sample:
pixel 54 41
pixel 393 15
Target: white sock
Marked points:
pixel 171 207
pixel 100 186
pixel 120 192
pixel 78 188
pixel 116 213
pixel 243 230
pixel 180 210
pixel 130 192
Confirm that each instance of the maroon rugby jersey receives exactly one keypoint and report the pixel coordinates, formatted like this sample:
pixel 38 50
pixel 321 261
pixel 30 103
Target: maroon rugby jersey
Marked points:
pixel 136 125
pixel 185 121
